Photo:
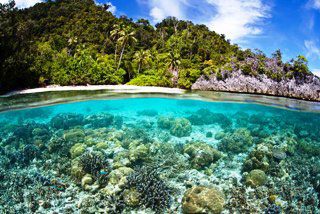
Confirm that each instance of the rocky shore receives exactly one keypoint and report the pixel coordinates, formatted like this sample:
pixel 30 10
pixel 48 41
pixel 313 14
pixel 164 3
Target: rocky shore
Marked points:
pixel 308 89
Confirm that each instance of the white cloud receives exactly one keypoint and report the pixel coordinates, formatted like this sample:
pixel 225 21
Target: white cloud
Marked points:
pixel 312 48
pixel 238 18
pixel 23 3
pixel 161 9
pixel 316 4
pixel 112 8
pixel 316 72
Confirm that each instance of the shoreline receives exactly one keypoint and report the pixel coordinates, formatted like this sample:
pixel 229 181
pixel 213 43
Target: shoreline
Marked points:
pixel 113 88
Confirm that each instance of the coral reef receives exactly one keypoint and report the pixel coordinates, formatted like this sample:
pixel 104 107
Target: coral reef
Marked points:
pixel 259 159
pixel 236 141
pixel 206 117
pixel 201 199
pixel 100 120
pixel 181 127
pixel 256 178
pixel 66 120
pixel 153 192
pixel 201 153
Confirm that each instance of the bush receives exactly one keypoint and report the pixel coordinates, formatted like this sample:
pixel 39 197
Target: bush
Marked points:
pixel 247 70
pixel 154 78
pixel 187 77
pixel 300 67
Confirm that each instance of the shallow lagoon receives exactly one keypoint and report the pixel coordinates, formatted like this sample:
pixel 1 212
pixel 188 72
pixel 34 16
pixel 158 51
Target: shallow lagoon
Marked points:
pixel 160 155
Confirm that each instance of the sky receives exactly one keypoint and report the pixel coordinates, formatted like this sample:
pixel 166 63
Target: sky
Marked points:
pixel 293 26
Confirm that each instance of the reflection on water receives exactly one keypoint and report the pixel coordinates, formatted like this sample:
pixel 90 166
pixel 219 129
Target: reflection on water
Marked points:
pixel 159 155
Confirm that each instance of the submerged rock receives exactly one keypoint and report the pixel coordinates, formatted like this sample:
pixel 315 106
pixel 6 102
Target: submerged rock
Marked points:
pixel 206 200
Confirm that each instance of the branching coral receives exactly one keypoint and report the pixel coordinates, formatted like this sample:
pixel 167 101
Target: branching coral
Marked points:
pixel 153 192
pixel 93 163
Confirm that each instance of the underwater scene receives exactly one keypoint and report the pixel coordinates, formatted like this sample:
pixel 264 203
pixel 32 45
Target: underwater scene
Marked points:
pixel 159 155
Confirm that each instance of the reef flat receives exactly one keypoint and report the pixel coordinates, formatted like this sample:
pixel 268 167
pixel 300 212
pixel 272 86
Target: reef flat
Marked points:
pixel 152 155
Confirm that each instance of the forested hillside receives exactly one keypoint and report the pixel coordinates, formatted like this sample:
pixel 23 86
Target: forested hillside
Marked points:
pixel 77 42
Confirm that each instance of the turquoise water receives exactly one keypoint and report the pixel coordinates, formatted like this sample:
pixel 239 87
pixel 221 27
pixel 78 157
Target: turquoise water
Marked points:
pixel 149 155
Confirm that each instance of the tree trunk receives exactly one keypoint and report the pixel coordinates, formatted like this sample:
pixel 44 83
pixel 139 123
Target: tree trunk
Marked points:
pixel 115 53
pixel 121 57
pixel 139 68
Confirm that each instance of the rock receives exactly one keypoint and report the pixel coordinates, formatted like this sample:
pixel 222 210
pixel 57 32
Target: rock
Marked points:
pixel 256 178
pixel 236 81
pixel 206 200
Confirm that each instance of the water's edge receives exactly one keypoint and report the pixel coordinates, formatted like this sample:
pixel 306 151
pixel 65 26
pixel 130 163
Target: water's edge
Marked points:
pixel 56 95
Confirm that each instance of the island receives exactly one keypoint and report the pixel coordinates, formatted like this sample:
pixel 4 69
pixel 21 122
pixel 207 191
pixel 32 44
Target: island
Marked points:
pixel 72 43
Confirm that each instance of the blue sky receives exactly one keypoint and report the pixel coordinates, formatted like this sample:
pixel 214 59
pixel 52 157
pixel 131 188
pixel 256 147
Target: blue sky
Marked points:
pixel 290 25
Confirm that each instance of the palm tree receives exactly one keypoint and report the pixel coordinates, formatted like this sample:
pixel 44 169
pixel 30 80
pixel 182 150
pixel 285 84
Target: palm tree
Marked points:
pixel 142 57
pixel 173 61
pixel 115 34
pixel 126 37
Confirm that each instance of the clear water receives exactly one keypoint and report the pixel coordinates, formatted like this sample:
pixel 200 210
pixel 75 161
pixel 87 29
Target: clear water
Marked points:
pixel 47 153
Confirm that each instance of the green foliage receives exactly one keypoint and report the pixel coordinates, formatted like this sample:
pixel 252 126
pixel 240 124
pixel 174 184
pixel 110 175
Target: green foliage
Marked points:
pixel 69 42
pixel 300 66
pixel 187 77
pixel 219 75
pixel 152 78
pixel 247 69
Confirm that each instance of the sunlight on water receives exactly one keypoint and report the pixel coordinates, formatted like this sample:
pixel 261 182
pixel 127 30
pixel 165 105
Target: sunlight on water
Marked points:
pixel 159 155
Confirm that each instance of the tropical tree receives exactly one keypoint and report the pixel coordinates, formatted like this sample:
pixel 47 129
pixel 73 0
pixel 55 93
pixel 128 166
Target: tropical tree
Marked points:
pixel 127 37
pixel 173 61
pixel 142 58
pixel 115 34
